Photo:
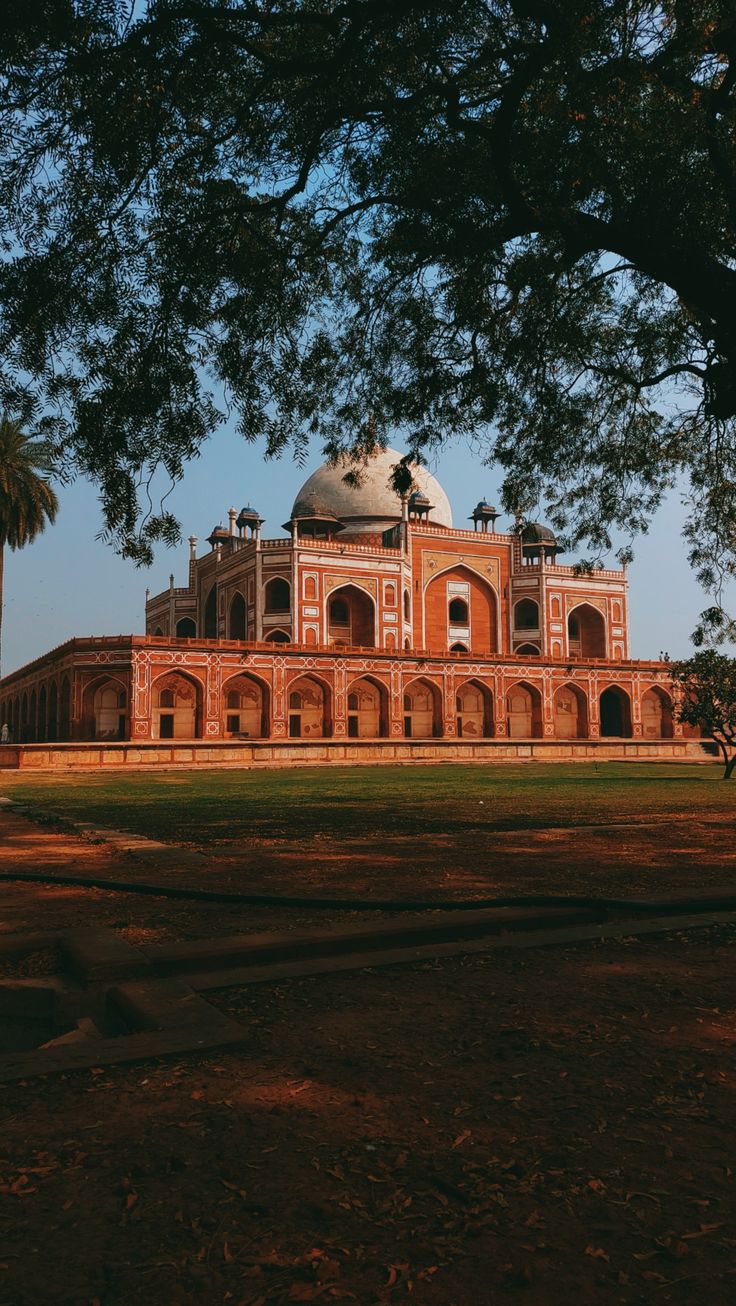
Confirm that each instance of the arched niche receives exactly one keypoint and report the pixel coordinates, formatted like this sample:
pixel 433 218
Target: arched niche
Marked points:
pixel 527 651
pixel 65 708
pixel 278 637
pixel 422 710
pixel 586 632
pixel 656 714
pixel 526 615
pixel 186 628
pixel 32 717
pixel 524 711
pixel 238 620
pixel 277 595
pixel 42 710
pixel 104 708
pixel 210 615
pixel 246 708
pixel 351 617
pixel 52 730
pixel 474 707
pixel 615 713
pixel 367 709
pixel 570 713
pixel 177 707
pixel 481 615
pixel 308 708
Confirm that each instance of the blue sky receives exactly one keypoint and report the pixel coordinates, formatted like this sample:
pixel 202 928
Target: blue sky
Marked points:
pixel 68 583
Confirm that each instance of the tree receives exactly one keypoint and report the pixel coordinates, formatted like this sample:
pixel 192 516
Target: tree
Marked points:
pixel 707 683
pixel 27 501
pixel 509 220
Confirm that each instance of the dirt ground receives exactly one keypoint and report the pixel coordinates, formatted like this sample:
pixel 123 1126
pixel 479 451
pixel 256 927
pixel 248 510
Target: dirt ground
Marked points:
pixel 549 1126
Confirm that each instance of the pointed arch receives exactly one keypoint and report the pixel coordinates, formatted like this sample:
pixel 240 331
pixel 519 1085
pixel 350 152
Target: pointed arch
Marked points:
pixel 656 713
pixel 278 636
pixel 474 708
pixel 480 627
pixel 176 698
pixel 527 651
pixel 309 707
pixel 238 618
pixel 42 712
pixel 615 713
pixel 570 705
pixel 367 708
pixel 246 706
pixel 524 711
pixel 210 614
pixel 422 709
pixel 52 731
pixel 526 614
pixel 277 595
pixel 186 628
pixel 351 616
pixel 586 632
pixel 104 708
pixel 65 708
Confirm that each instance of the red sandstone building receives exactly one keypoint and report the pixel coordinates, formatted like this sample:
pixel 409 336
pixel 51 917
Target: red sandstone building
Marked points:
pixel 372 619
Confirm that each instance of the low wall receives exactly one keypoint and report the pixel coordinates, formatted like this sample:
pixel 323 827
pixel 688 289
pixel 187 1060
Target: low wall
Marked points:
pixel 356 752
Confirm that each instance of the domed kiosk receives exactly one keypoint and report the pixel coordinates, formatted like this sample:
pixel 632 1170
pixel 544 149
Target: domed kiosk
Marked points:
pixel 371 506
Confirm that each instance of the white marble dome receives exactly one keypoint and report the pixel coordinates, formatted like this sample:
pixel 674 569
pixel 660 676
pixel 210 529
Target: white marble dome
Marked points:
pixel 373 505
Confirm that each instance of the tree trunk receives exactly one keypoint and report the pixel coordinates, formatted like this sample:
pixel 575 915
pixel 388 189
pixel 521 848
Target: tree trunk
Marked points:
pixel 729 768
pixel 2 562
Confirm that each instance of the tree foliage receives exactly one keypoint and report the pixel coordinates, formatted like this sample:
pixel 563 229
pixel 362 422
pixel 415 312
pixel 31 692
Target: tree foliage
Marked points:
pixel 508 220
pixel 27 501
pixel 707 683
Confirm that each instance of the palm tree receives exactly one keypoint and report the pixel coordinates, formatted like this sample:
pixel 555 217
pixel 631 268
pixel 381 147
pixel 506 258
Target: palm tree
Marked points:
pixel 27 501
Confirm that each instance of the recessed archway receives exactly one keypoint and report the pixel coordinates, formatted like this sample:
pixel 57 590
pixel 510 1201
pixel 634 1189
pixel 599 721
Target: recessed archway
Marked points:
pixel 524 711
pixel 246 707
pixel 526 615
pixel 474 705
pixel 570 713
pixel 177 707
pixel 52 731
pixel 277 595
pixel 42 709
pixel 656 714
pixel 367 709
pixel 615 710
pixel 277 637
pixel 186 628
pixel 308 703
pixel 460 590
pixel 527 651
pixel 351 617
pixel 238 617
pixel 586 632
pixel 104 709
pixel 65 709
pixel 210 615
pixel 422 710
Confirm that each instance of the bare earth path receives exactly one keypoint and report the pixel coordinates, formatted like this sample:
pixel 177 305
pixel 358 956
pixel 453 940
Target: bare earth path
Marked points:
pixel 547 1127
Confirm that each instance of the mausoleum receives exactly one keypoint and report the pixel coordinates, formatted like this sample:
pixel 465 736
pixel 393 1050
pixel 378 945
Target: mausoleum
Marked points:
pixel 373 618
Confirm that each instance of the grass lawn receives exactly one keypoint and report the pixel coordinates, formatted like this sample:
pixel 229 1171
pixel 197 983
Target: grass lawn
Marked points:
pixel 225 808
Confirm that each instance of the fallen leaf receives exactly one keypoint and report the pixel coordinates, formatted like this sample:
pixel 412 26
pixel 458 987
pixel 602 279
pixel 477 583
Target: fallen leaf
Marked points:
pixel 461 1138
pixel 597 1253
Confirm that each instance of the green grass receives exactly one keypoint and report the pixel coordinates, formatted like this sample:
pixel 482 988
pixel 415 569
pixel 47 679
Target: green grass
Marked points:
pixel 228 807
